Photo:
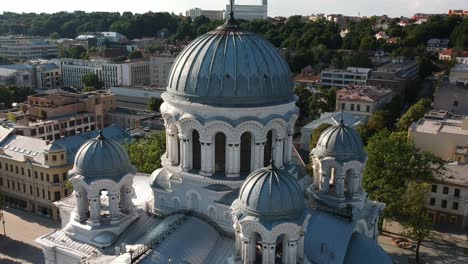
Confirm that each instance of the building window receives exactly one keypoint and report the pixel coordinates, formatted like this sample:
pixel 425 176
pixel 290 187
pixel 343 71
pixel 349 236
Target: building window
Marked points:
pixel 35 174
pixel 455 206
pixel 455 103
pixel 16 170
pixel 56 178
pixel 1 181
pixel 42 176
pixel 432 201
pixel 48 195
pixel 37 192
pixel 446 190
pixel 62 156
pixel 352 107
pixel 48 177
pixel 29 173
pixel 56 196
pixel 43 193
pixel 434 188
pixel 444 203
pixel 368 108
pixel 343 106
pixel 46 157
pixel 456 192
pixel 54 157
pixel 22 171
pixel 358 108
pixel 30 190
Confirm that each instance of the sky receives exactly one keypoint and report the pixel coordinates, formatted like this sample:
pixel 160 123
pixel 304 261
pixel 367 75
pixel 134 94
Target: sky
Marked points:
pixel 394 8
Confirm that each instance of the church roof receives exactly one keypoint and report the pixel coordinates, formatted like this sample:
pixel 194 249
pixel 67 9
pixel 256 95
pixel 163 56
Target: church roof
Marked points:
pixel 231 67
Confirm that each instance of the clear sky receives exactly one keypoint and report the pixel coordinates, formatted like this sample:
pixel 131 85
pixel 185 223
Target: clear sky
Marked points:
pixel 276 7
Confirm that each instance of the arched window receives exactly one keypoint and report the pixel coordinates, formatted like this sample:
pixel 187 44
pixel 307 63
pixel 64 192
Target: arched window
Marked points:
pixel 193 201
pixel 176 204
pixel 281 246
pixel 196 150
pixel 267 155
pixel 220 152
pixel 246 152
pixel 348 188
pixel 104 208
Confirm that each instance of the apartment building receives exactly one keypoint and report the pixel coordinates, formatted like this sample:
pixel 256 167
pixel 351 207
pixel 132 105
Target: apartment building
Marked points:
pixel 362 100
pixel 19 75
pixel 342 78
pixel 446 136
pixel 33 172
pixel 111 74
pixel 160 67
pixel 249 12
pixel 449 55
pixel 400 76
pixel 27 48
pixel 48 76
pixel 213 15
pixel 136 97
pixel 436 45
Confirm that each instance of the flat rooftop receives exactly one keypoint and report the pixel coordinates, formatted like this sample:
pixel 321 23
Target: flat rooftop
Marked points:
pixel 436 122
pixel 362 93
pixel 457 174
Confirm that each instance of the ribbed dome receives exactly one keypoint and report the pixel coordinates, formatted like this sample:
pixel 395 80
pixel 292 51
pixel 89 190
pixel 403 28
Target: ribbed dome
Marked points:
pixel 231 67
pixel 272 194
pixel 102 158
pixel 341 142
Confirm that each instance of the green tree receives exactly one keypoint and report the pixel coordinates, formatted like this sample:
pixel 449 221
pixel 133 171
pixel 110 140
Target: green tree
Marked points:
pixel 77 52
pixel 135 55
pixel 392 162
pixel 416 218
pixel 414 113
pixel 154 104
pixel 316 134
pixel 54 35
pixel 145 153
pixel 12 117
pixel 91 80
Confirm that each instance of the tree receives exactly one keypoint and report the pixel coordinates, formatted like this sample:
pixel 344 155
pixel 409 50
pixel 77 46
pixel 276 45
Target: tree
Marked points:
pixel 154 104
pixel 316 134
pixel 77 52
pixel 416 218
pixel 145 153
pixel 392 162
pixel 12 117
pixel 414 113
pixel 55 35
pixel 135 55
pixel 91 80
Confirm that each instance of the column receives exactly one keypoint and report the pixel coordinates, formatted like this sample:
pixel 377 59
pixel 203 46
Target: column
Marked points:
pixel 268 253
pixel 252 251
pixel 94 208
pixel 355 190
pixel 172 148
pixel 181 151
pixel 204 159
pixel 185 153
pixel 209 158
pixel 230 161
pixel 292 252
pixel 278 152
pixel 82 206
pixel 238 242
pixel 237 158
pixel 325 182
pixel 259 154
pixel 114 205
pixel 339 186
pixel 288 145
pixel 126 199
pixel 300 247
pixel 285 256
pixel 245 250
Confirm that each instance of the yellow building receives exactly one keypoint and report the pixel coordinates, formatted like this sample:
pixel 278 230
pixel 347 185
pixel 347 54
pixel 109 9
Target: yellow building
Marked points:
pixel 33 172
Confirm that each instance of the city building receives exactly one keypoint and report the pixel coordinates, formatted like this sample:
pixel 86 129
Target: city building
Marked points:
pixel 441 133
pixel 400 76
pixel 54 116
pixel 160 66
pixel 136 97
pixel 249 12
pixel 459 57
pixel 213 15
pixel 19 75
pixel 458 12
pixel 333 119
pixel 362 99
pixel 110 73
pixel 451 97
pixel 459 74
pixel 48 76
pixel 102 39
pixel 27 48
pixel 34 172
pixel 436 45
pixel 448 200
pixel 230 179
pixel 342 78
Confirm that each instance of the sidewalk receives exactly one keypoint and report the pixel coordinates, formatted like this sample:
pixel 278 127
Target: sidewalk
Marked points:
pixel 22 228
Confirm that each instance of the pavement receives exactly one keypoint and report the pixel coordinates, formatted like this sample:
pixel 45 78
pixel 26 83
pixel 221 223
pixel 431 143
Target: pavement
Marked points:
pixel 447 247
pixel 22 228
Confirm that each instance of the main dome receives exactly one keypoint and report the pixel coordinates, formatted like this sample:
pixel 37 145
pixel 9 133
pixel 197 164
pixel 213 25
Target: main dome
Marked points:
pixel 341 142
pixel 102 158
pixel 230 67
pixel 271 193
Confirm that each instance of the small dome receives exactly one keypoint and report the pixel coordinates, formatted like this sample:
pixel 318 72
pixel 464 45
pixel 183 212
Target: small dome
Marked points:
pixel 102 158
pixel 231 67
pixel 341 142
pixel 271 193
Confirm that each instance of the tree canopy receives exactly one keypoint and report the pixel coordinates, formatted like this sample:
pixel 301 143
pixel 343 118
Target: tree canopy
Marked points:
pixel 91 80
pixel 145 153
pixel 154 104
pixel 414 113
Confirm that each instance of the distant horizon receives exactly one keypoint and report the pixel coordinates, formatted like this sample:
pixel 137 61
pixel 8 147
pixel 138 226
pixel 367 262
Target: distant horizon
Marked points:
pixel 395 8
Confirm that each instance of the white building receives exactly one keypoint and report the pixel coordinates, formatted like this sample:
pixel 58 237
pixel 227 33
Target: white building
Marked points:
pixel 48 76
pixel 160 66
pixel 111 74
pixel 249 12
pixel 136 97
pixel 19 75
pixel 27 48
pixel 436 45
pixel 213 15
pixel 343 78
pixel 230 189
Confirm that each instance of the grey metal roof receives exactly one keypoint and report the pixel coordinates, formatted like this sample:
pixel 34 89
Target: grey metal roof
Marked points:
pixel 271 194
pixel 102 158
pixel 231 67
pixel 365 251
pixel 341 142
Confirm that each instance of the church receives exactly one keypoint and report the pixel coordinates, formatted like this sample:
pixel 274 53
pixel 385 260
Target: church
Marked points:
pixel 231 188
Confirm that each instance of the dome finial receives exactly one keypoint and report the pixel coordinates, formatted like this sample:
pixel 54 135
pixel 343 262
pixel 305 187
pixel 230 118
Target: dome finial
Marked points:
pixel 101 134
